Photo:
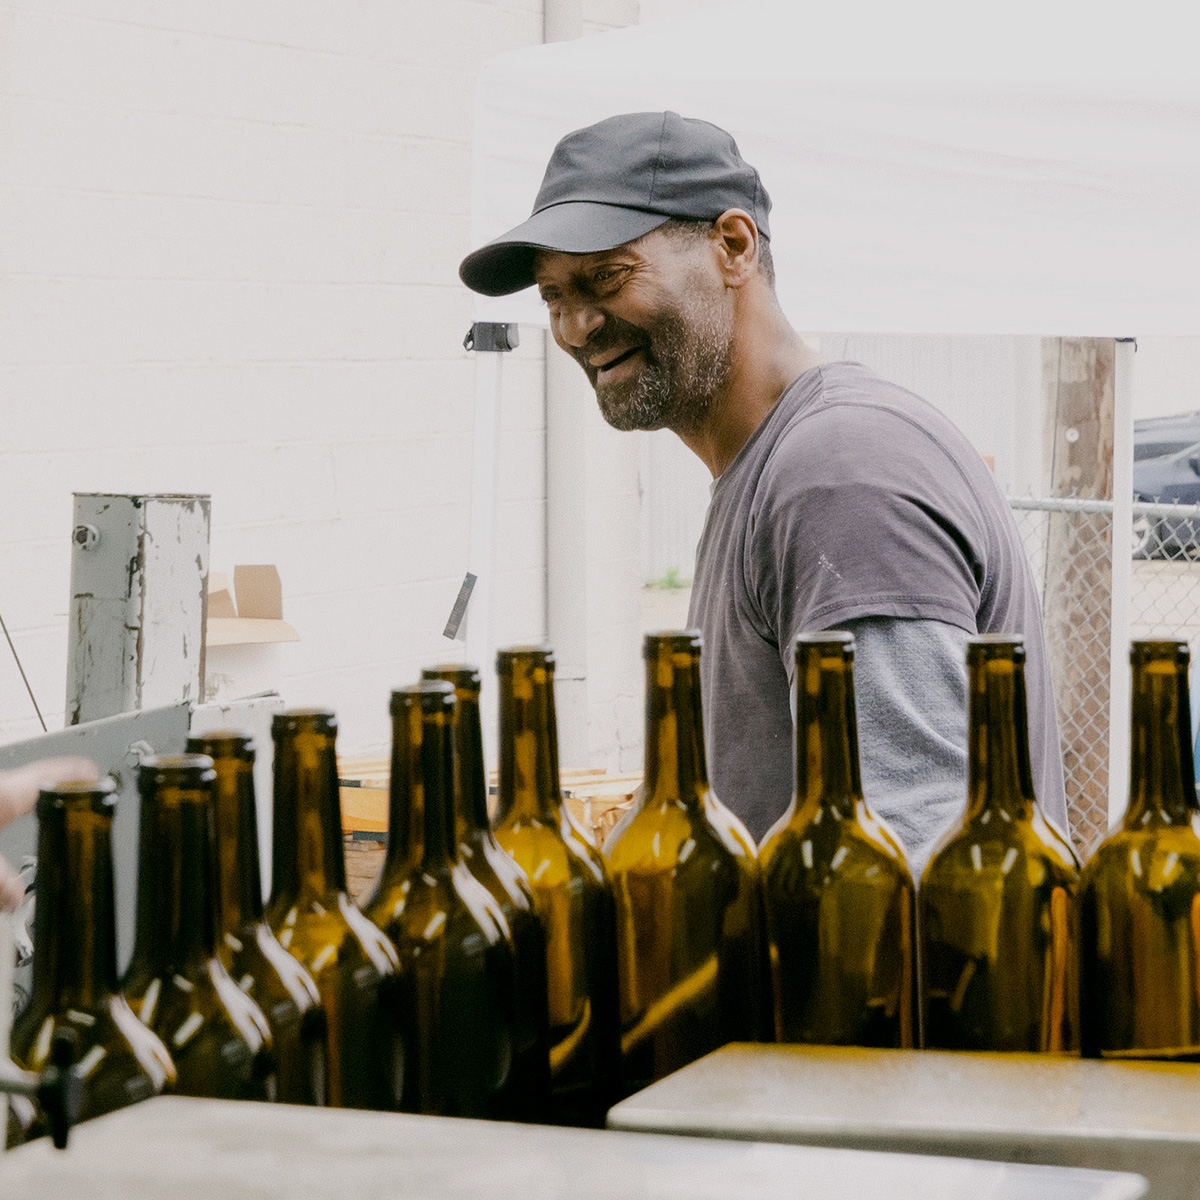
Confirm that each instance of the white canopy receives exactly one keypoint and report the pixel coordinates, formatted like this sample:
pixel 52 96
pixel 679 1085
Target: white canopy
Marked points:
pixel 1032 170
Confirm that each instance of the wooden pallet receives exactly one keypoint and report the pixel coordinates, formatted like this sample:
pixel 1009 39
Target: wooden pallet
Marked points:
pixel 595 799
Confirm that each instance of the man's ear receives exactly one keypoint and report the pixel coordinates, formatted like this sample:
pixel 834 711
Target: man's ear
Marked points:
pixel 735 243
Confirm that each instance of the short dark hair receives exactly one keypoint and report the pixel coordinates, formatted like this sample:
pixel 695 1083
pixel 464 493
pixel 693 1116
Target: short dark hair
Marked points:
pixel 696 229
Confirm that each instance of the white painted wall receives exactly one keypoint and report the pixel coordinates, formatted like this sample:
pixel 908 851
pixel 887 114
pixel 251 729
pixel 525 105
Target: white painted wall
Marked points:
pixel 229 236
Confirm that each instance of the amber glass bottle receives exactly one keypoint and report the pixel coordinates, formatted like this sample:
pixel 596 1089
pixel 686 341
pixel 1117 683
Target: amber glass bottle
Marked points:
pixel 571 892
pixel 456 997
pixel 997 900
pixel 247 948
pixel 216 1034
pixel 506 883
pixel 1140 891
pixel 314 919
pixel 685 881
pixel 75 993
pixel 839 895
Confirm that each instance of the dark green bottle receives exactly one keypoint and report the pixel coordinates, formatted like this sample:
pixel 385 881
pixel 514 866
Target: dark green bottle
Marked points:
pixel 176 985
pixel 247 948
pixel 309 911
pixel 997 901
pixel 686 884
pixel 457 982
pixel 75 992
pixel 506 882
pixel 571 892
pixel 839 896
pixel 1140 890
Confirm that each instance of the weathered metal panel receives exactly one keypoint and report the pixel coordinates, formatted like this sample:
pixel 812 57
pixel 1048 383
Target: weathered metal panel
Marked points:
pixel 139 574
pixel 115 745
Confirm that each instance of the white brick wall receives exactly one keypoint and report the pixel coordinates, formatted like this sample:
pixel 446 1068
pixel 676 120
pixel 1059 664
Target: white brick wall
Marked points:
pixel 229 239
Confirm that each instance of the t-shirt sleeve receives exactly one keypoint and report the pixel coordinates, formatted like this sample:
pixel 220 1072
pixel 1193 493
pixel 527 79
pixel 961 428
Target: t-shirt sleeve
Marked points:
pixel 910 689
pixel 859 513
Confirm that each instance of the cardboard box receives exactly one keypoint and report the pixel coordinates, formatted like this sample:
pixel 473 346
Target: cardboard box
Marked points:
pixel 245 635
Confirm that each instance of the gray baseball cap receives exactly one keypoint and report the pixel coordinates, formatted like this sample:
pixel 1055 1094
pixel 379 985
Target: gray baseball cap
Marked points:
pixel 614 182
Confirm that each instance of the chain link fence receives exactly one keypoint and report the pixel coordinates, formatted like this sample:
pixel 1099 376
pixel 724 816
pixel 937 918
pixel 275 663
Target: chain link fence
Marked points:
pixel 1070 544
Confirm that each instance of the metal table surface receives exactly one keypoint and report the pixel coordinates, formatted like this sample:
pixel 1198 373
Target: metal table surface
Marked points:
pixel 208 1149
pixel 1117 1116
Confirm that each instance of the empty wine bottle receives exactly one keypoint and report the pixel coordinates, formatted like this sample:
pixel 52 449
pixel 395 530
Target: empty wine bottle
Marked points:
pixel 75 993
pixel 1140 891
pixel 457 988
pixel 685 881
pixel 216 1034
pixel 352 962
pixel 839 896
pixel 483 856
pixel 571 892
pixel 247 948
pixel 997 900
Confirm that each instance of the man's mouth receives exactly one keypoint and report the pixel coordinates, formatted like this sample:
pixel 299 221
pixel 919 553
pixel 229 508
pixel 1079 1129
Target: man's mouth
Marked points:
pixel 606 369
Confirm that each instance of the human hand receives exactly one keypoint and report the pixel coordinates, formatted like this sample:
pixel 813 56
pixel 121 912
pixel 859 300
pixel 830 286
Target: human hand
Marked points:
pixel 18 794
pixel 19 787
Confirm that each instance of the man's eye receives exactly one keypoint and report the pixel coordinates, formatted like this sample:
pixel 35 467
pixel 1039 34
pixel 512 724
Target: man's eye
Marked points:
pixel 607 275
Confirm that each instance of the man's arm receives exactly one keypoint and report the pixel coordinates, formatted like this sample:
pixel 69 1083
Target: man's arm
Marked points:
pixel 910 687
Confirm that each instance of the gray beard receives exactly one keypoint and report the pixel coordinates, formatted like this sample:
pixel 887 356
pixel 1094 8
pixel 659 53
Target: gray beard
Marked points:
pixel 685 366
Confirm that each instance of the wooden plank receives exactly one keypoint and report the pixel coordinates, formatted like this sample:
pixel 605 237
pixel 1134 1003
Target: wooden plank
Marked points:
pixel 364 810
pixel 1077 376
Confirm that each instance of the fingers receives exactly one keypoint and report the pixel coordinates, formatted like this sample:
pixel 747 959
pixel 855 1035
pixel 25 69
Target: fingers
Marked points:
pixel 12 890
pixel 19 787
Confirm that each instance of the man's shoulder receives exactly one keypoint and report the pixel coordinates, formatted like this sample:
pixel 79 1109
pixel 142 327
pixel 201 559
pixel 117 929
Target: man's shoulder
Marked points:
pixel 856 425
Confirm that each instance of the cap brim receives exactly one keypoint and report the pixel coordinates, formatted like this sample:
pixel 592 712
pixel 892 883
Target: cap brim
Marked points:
pixel 505 265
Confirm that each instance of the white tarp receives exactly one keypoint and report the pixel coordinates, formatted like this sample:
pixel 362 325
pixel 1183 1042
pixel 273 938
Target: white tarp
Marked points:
pixel 935 167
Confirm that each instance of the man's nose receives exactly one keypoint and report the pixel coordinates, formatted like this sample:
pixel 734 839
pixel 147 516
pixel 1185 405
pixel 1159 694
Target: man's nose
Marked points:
pixel 576 323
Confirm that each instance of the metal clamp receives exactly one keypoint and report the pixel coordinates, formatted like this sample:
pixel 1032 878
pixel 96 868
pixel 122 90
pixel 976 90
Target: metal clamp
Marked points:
pixel 491 336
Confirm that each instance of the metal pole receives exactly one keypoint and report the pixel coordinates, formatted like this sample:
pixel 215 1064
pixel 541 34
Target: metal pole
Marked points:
pixel 1122 578
pixel 489 342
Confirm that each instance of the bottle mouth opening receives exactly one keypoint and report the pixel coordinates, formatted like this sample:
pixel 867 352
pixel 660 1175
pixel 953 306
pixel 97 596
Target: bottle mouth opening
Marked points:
pixel 466 678
pixel 96 795
pixel 528 657
pixel 1146 650
pixel 1002 646
pixel 223 743
pixel 831 641
pixel 317 720
pixel 430 695
pixel 672 641
pixel 190 772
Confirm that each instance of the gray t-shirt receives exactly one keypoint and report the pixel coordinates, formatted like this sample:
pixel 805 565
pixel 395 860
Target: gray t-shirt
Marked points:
pixel 854 498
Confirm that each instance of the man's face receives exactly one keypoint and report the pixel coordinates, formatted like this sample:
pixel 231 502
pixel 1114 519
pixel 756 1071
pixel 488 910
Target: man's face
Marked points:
pixel 650 322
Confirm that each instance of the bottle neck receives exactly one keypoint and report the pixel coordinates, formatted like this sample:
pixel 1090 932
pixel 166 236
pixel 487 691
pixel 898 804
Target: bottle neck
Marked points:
pixel 471 786
pixel 240 883
pixel 439 851
pixel 75 964
pixel 529 782
pixel 308 856
pixel 177 905
pixel 1161 771
pixel 675 767
pixel 827 769
pixel 999 777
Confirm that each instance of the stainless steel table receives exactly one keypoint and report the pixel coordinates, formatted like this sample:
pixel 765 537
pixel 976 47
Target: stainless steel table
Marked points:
pixel 204 1150
pixel 1119 1116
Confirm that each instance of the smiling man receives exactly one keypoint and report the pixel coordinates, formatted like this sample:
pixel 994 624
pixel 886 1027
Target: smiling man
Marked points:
pixel 839 500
